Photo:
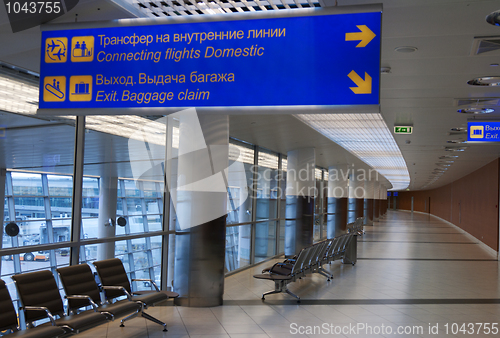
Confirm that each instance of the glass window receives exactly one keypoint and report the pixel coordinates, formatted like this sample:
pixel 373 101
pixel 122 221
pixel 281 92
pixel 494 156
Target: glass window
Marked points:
pixel 238 246
pixel 317 228
pixel 26 184
pixel 131 189
pixel 265 240
pixel 154 222
pixel 134 206
pixel 90 187
pixel 121 247
pixel 60 207
pixel 88 253
pixel 156 254
pixel 152 189
pixel 267 185
pixel 156 242
pixel 281 247
pixel 60 185
pixel 5 210
pixel 240 177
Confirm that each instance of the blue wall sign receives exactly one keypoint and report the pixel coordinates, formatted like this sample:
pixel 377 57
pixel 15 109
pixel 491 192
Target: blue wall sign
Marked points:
pixel 284 61
pixel 483 132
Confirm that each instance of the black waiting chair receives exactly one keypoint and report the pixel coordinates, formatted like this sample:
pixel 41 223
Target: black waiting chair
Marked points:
pixel 115 283
pixel 82 291
pixel 40 299
pixel 8 320
pixel 282 278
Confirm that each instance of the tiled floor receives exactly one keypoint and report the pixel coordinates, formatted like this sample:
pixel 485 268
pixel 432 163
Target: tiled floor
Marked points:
pixel 414 272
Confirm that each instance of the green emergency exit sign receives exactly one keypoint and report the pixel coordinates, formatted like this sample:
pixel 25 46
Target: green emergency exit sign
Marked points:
pixel 403 130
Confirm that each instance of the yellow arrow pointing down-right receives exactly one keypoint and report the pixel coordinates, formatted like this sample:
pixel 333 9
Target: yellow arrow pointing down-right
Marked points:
pixel 363 86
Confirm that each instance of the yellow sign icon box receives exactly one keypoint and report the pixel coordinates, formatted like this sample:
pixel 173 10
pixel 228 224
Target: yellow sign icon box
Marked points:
pixel 54 89
pixel 80 88
pixel 82 49
pixel 476 132
pixel 56 50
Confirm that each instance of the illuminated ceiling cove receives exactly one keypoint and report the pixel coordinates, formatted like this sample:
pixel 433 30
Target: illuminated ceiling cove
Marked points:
pixel 366 136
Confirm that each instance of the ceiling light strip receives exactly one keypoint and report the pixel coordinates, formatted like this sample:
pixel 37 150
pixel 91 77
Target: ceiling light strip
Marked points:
pixel 368 138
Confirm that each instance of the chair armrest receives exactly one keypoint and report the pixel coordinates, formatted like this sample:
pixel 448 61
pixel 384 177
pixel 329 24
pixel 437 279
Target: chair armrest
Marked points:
pixel 146 280
pixel 87 297
pixel 42 308
pixel 109 287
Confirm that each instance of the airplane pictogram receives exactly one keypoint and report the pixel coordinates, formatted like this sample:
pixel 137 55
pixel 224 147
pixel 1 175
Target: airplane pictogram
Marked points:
pixel 56 50
pixel 60 54
pixel 52 46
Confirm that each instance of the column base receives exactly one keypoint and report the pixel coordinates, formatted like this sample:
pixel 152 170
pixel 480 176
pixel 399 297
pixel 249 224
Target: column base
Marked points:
pixel 198 302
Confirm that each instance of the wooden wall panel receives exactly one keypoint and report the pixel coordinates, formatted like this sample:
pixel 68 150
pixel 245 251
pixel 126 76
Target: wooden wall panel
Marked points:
pixel 470 203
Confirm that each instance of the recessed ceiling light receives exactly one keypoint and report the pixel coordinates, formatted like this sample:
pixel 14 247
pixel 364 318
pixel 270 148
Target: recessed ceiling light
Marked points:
pixel 405 49
pixel 447 162
pixel 493 18
pixel 485 81
pixel 385 70
pixel 494 65
pixel 476 110
pixel 447 156
pixel 459 129
pixel 456 141
pixel 455 149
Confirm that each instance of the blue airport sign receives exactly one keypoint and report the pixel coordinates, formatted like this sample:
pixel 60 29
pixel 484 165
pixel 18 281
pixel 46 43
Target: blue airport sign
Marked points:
pixel 314 60
pixel 483 131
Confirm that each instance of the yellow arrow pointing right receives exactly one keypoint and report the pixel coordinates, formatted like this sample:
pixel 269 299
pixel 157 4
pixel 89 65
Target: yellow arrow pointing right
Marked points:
pixel 364 37
pixel 363 86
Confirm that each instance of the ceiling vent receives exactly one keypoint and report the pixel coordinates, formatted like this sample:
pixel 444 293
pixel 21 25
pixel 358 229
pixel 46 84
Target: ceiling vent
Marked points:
pixel 483 101
pixel 487 44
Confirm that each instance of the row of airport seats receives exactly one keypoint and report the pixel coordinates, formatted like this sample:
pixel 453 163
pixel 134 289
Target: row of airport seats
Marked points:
pixel 40 298
pixel 311 260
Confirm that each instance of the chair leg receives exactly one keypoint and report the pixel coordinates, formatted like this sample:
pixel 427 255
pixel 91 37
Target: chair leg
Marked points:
pixel 323 273
pixel 270 293
pixel 153 319
pixel 291 293
pixel 133 315
pixel 278 287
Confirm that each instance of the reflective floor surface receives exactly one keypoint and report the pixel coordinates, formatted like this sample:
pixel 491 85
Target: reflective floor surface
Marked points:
pixel 416 276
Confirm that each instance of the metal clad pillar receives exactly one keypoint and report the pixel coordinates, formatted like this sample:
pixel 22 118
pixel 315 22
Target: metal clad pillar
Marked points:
pixel 300 193
pixel 200 248
pixel 369 199
pixel 376 201
pixel 356 197
pixel 108 198
pixel 3 174
pixel 383 199
pixel 338 193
